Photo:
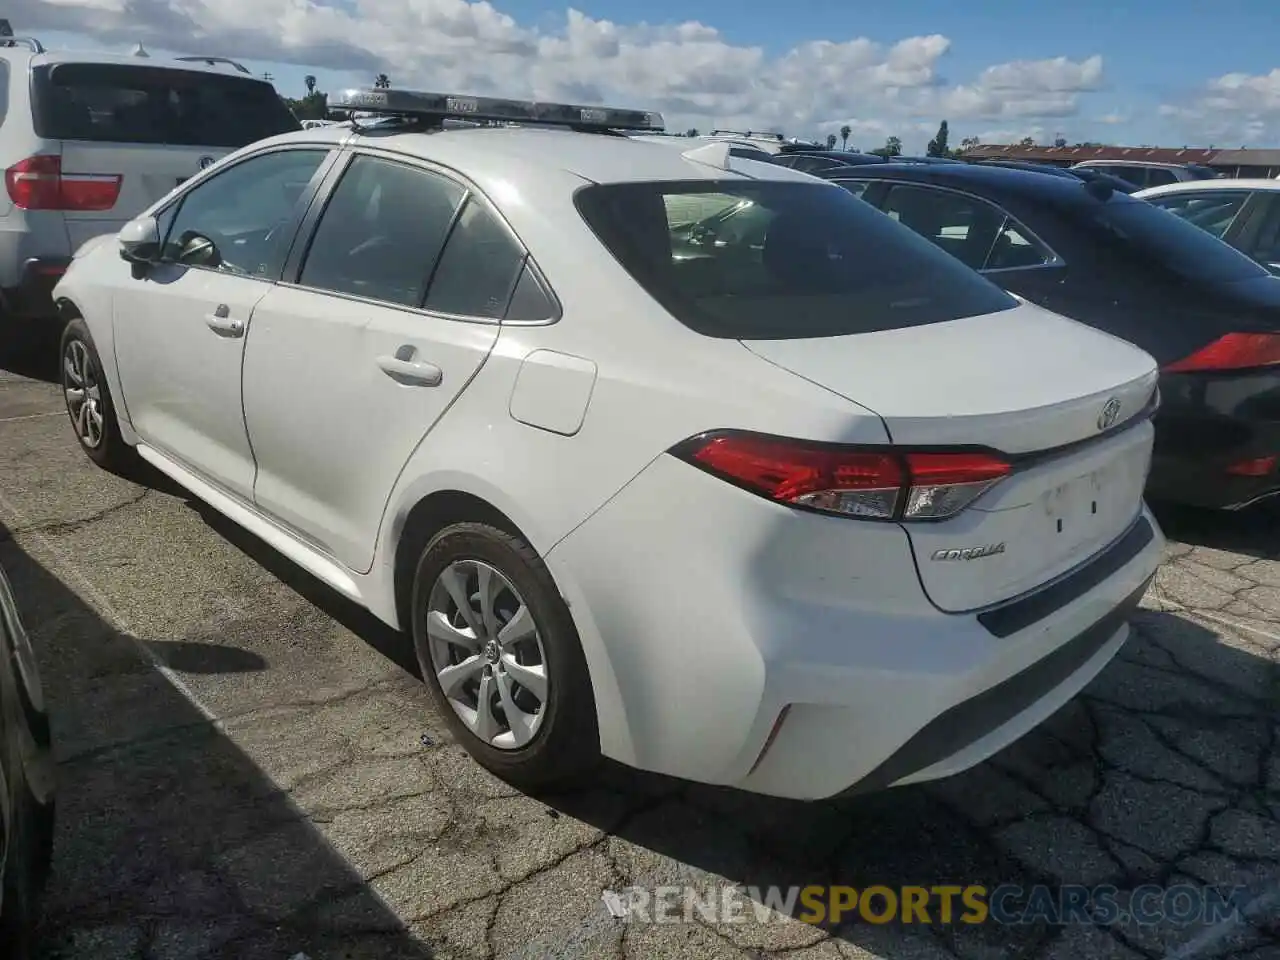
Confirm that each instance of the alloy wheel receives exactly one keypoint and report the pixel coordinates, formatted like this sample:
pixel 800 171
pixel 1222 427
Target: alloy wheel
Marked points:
pixel 83 393
pixel 487 654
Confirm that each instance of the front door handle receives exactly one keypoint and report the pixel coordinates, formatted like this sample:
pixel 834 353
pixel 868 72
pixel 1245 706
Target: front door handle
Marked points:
pixel 220 322
pixel 414 373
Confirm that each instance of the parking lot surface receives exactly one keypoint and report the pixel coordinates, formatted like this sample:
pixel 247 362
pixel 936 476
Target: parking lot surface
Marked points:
pixel 251 769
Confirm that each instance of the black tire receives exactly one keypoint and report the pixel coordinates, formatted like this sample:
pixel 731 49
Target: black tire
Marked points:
pixel 110 451
pixel 26 875
pixel 565 749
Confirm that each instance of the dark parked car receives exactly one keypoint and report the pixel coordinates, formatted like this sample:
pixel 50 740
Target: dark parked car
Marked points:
pixel 813 161
pixel 1087 174
pixel 26 784
pixel 1209 314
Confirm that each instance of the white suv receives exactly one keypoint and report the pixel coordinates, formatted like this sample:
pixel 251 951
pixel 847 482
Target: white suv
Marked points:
pixel 1149 173
pixel 89 141
pixel 667 454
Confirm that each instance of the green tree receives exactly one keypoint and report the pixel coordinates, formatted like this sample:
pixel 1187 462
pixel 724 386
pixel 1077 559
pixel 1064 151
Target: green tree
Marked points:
pixel 938 145
pixel 382 82
pixel 831 141
pixel 968 143
pixel 310 81
pixel 691 132
pixel 1060 142
pixel 844 136
pixel 892 148
pixel 1027 142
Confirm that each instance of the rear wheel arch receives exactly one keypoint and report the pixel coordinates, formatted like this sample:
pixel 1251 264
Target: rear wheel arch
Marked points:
pixel 424 520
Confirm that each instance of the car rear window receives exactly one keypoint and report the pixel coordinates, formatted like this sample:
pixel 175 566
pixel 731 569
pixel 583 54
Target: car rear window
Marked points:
pixel 1173 242
pixel 780 260
pixel 142 104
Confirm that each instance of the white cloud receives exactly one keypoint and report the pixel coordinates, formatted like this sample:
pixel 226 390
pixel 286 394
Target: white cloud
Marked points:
pixel 1236 108
pixel 689 71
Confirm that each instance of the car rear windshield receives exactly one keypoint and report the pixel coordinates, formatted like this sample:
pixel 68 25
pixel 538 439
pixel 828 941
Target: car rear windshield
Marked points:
pixel 1181 247
pixel 780 260
pixel 143 104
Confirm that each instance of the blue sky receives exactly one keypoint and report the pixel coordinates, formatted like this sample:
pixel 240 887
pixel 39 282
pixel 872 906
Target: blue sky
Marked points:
pixel 1158 81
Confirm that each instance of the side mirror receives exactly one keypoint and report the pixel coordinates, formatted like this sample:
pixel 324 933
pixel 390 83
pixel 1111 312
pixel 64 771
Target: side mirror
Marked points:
pixel 197 250
pixel 140 240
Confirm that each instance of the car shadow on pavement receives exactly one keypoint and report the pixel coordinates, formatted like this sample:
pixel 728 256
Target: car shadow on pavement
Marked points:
pixel 30 348
pixel 170 840
pixel 1254 532
pixel 392 644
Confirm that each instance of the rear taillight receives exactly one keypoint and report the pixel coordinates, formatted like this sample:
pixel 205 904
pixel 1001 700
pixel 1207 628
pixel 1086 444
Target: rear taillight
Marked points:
pixel 1235 351
pixel 38 183
pixel 880 484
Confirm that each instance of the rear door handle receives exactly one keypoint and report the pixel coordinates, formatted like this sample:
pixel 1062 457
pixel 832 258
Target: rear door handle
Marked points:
pixel 221 323
pixel 411 372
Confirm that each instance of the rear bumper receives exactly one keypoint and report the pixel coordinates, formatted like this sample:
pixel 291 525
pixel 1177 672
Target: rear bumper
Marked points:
pixel 1214 438
pixel 32 295
pixel 796 655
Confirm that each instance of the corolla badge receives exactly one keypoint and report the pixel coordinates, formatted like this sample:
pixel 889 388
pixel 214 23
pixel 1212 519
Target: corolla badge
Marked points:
pixel 1110 411
pixel 207 162
pixel 969 553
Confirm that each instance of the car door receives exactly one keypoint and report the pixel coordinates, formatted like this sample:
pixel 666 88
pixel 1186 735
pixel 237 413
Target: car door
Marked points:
pixel 180 328
pixel 382 321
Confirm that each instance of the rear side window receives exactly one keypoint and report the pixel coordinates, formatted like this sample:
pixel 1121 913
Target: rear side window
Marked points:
pixel 4 90
pixel 382 232
pixel 774 260
pixel 1169 240
pixel 479 267
pixel 1159 177
pixel 141 104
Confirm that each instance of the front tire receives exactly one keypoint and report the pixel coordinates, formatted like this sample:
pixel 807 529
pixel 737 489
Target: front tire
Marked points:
pixel 89 402
pixel 500 653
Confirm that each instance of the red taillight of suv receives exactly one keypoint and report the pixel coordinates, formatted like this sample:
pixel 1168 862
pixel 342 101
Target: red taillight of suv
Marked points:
pixel 38 183
pixel 1234 351
pixel 881 484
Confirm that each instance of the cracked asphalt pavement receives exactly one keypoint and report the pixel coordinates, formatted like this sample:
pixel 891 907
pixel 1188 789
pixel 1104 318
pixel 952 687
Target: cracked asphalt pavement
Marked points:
pixel 250 768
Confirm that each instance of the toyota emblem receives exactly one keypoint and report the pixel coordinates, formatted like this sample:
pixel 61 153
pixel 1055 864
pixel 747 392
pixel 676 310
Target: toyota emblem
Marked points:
pixel 1110 412
pixel 207 162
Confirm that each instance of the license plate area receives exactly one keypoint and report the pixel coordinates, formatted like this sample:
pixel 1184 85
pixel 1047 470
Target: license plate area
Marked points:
pixel 1076 509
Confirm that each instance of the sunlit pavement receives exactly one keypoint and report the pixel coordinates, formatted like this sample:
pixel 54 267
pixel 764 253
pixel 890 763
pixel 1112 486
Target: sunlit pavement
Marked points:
pixel 250 769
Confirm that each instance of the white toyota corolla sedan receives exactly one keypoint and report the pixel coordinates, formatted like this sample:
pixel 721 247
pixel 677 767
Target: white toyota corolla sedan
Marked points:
pixel 663 454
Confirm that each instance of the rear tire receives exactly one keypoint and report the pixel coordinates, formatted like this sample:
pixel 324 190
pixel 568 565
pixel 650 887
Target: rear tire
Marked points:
pixel 89 402
pixel 523 631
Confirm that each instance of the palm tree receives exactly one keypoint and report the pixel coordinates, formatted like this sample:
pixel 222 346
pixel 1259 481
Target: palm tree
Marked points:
pixel 310 81
pixel 831 141
pixel 383 82
pixel 691 132
pixel 844 136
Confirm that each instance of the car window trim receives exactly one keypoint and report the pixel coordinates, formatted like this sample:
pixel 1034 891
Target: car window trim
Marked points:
pixel 1057 260
pixel 292 272
pixel 174 204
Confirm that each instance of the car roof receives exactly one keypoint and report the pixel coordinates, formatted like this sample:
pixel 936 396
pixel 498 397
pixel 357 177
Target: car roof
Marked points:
pixel 128 60
pixel 1136 163
pixel 972 176
pixel 493 155
pixel 1199 186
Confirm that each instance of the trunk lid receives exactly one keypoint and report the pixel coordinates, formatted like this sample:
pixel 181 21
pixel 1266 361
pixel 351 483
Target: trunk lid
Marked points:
pixel 1022 382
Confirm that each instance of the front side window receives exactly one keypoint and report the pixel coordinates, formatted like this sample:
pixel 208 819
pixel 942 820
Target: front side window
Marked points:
pixel 1266 243
pixel 1212 211
pixel 382 232
pixel 779 260
pixel 1160 176
pixel 118 103
pixel 244 211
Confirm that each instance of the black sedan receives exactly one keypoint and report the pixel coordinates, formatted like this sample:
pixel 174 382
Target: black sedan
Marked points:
pixel 1087 174
pixel 1209 314
pixel 26 784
